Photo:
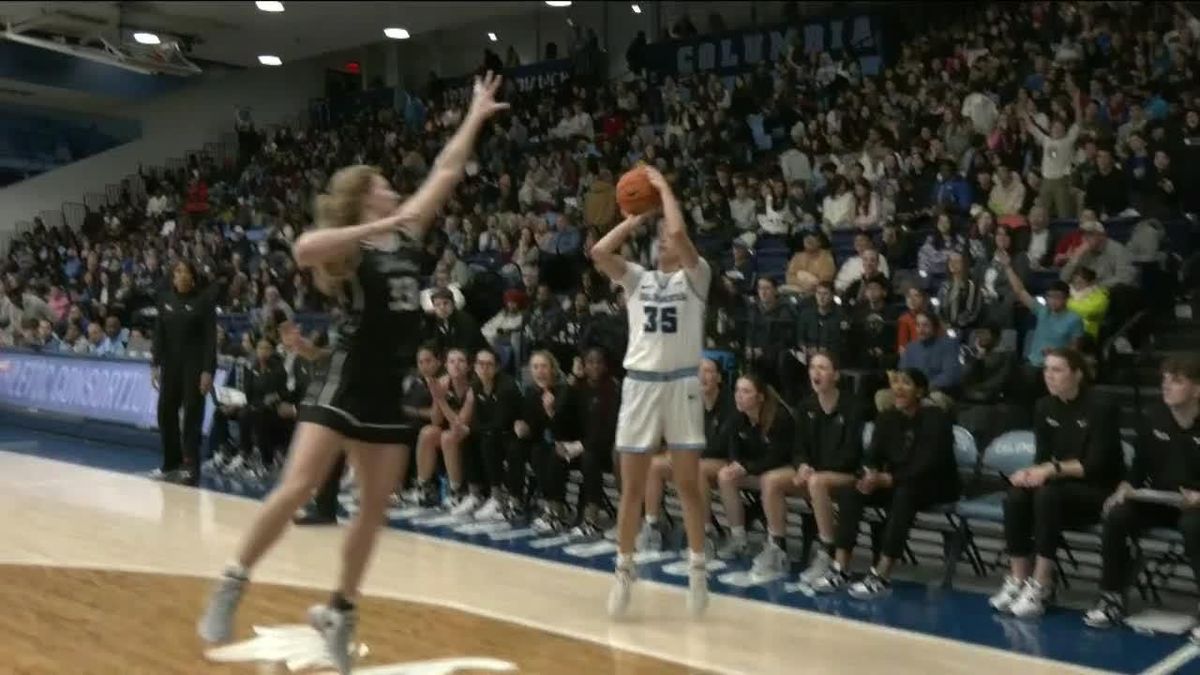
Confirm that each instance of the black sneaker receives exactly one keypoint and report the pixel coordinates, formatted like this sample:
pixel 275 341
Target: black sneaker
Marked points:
pixel 588 530
pixel 313 518
pixel 182 477
pixel 553 519
pixel 429 496
pixel 871 586
pixel 1108 612
pixel 513 511
pixel 832 581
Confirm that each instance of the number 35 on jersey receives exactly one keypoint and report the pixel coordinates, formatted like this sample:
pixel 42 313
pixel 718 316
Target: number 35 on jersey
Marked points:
pixel 666 317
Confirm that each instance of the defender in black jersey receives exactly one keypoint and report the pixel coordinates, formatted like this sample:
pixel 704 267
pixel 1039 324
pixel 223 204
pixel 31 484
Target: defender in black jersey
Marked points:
pixel 356 391
pixel 366 249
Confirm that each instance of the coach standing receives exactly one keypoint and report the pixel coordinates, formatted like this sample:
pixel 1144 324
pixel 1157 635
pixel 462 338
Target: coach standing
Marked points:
pixel 184 360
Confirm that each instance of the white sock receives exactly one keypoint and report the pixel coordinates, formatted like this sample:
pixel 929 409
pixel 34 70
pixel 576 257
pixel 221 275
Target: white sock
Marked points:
pixel 697 559
pixel 235 569
pixel 738 532
pixel 624 561
pixel 651 520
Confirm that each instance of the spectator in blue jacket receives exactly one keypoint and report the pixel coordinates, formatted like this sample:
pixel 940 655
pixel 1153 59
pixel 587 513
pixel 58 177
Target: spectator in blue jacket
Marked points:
pixel 116 338
pixel 950 190
pixel 935 355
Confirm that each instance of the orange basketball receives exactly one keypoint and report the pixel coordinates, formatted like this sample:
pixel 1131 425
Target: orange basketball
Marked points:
pixel 635 194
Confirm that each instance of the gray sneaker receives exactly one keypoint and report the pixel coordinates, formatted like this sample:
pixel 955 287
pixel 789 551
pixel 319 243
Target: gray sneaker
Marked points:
pixel 734 549
pixel 337 628
pixel 649 538
pixel 770 563
pixel 820 564
pixel 217 623
pixel 622 589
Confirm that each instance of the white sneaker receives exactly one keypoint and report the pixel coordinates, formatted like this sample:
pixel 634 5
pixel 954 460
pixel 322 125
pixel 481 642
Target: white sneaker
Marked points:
pixel 257 471
pixel 1032 601
pixel 236 466
pixel 649 538
pixel 697 599
pixel 492 510
pixel 820 564
pixel 770 563
pixel 466 506
pixel 618 597
pixel 1003 600
pixel 214 464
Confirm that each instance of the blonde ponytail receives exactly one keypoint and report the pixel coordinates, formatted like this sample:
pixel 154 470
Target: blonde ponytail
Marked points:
pixel 341 206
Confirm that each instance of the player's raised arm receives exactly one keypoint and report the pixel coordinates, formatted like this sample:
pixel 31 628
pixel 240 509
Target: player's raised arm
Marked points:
pixel 323 244
pixel 606 252
pixel 674 227
pixel 417 211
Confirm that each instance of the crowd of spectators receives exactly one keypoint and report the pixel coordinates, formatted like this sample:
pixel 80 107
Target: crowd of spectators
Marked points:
pixel 951 171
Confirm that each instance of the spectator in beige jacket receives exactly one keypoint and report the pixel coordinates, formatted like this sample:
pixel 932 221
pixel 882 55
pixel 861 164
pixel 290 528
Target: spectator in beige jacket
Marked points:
pixel 600 202
pixel 1007 195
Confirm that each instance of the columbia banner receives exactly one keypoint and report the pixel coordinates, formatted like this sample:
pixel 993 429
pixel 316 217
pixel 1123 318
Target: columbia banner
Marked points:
pixel 734 51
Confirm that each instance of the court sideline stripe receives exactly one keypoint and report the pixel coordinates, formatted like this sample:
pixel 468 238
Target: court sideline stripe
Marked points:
pixel 1174 661
pixel 760 604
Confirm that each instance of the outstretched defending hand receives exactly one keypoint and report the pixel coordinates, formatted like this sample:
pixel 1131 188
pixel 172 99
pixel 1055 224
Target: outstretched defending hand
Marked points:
pixel 483 100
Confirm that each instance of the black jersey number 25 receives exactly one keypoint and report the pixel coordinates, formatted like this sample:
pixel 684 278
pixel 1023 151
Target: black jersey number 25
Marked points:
pixel 660 319
pixel 405 294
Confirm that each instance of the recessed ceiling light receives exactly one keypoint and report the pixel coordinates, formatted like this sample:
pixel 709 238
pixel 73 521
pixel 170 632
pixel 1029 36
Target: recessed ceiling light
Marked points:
pixel 268 60
pixel 146 39
pixel 269 6
pixel 396 33
pixel 492 37
pixel 637 9
pixel 558 3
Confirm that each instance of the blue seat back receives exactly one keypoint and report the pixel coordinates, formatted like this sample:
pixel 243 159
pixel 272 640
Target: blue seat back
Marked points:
pixel 725 360
pixel 1010 452
pixel 966 453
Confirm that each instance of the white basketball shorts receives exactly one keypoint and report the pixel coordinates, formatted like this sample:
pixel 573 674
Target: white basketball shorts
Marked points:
pixel 660 406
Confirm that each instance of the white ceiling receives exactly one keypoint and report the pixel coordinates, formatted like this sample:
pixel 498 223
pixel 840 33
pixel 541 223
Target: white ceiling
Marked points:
pixel 237 32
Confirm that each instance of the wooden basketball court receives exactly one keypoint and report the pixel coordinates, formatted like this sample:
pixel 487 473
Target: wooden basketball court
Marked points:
pixel 102 572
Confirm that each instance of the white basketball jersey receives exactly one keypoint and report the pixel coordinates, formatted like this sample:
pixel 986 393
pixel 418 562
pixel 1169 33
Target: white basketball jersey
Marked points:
pixel 666 317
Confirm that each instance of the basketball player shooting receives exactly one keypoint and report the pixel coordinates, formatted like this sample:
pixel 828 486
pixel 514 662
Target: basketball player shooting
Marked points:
pixel 660 396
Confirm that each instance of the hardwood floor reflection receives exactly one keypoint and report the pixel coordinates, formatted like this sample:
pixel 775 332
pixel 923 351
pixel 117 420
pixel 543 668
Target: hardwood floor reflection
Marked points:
pixel 65 620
